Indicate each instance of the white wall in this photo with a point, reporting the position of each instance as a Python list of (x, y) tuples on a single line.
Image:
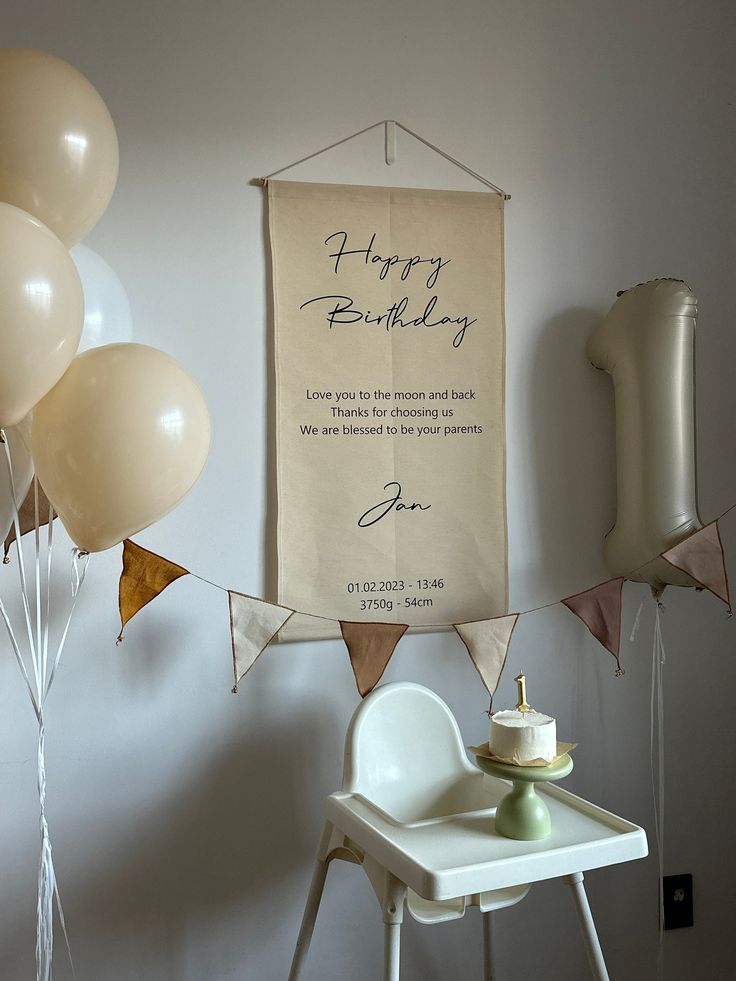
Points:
[(185, 818)]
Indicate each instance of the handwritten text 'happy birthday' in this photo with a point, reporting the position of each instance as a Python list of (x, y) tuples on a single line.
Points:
[(341, 309)]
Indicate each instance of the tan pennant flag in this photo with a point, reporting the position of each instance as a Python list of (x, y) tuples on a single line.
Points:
[(370, 646), (488, 642), (253, 625), (600, 610), (145, 575), (701, 556), (27, 516)]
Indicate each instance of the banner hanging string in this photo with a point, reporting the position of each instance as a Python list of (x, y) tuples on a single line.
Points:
[(389, 155)]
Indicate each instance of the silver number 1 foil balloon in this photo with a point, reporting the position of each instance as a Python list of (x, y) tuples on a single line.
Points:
[(647, 344)]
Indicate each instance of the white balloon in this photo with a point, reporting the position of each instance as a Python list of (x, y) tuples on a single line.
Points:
[(19, 441), (107, 316)]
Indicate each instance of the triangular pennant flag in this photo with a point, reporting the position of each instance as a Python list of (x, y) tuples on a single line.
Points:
[(488, 642), (600, 610), (701, 556), (145, 575), (27, 516), (253, 625), (370, 646)]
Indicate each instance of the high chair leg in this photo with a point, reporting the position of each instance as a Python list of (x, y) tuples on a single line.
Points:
[(488, 974), (312, 906), (392, 907), (391, 951), (587, 926)]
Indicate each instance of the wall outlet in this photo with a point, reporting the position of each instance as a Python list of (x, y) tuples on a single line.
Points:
[(678, 901)]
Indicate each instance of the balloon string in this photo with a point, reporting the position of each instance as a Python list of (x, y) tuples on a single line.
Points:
[(37, 542), (48, 889), (657, 702), (16, 647), (46, 875), (49, 543), (21, 564), (19, 658), (38, 642), (62, 921), (45, 905), (637, 622), (80, 563)]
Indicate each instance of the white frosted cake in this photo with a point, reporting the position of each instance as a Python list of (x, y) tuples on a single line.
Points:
[(522, 736)]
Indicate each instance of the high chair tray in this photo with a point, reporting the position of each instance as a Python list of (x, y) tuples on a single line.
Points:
[(444, 856)]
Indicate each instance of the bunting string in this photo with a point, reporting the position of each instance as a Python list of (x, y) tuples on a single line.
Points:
[(254, 622), (629, 576)]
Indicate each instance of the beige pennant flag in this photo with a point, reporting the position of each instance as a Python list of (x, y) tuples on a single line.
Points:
[(27, 516), (253, 625), (488, 642), (701, 556), (145, 575), (600, 610), (370, 646)]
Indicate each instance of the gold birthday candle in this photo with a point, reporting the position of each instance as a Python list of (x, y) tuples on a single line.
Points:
[(521, 705)]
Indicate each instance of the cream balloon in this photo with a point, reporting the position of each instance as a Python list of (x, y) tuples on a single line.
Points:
[(119, 441), (58, 146), (41, 312), (647, 343), (19, 442)]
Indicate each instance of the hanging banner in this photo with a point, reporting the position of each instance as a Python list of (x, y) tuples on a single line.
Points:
[(390, 443)]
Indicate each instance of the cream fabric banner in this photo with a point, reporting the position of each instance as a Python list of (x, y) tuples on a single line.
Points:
[(389, 347)]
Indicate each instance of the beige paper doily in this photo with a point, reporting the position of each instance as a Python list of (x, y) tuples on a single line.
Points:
[(485, 750)]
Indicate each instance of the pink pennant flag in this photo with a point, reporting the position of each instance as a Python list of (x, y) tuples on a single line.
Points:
[(487, 642), (600, 610), (702, 557)]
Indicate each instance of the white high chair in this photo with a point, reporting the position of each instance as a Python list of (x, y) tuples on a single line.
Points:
[(418, 816)]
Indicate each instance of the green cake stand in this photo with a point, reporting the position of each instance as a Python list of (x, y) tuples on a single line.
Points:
[(522, 814)]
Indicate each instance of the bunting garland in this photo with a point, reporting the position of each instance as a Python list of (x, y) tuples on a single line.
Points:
[(254, 623), (370, 646), (600, 610), (487, 643), (145, 576), (702, 557)]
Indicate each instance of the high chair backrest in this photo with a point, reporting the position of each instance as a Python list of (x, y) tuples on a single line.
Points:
[(403, 749)]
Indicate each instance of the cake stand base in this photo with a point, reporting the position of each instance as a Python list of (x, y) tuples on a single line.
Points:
[(522, 814)]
